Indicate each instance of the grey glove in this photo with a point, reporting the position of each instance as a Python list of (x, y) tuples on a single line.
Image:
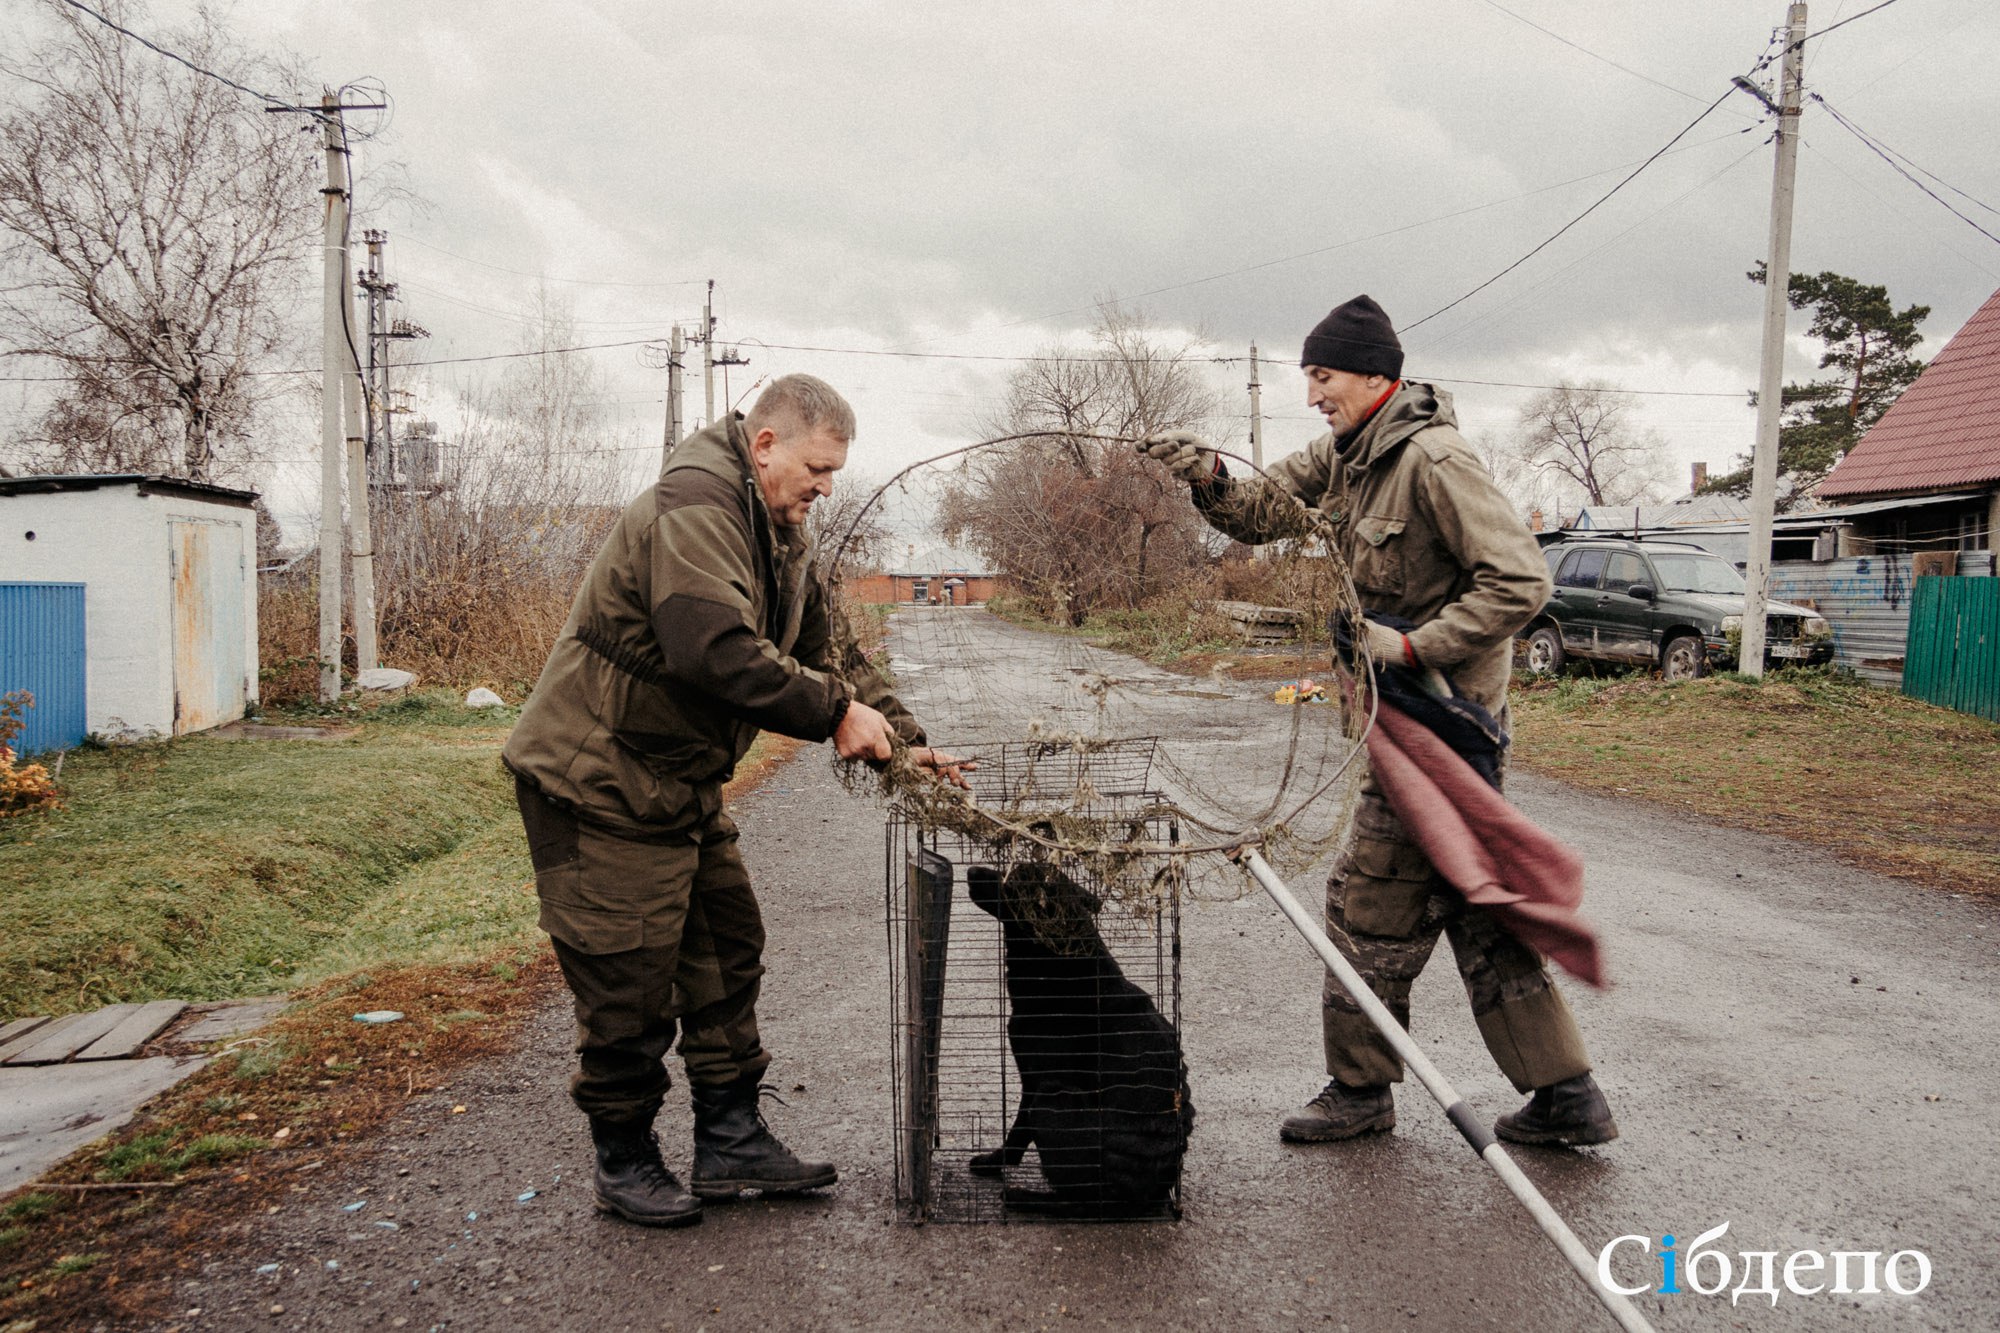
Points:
[(1184, 453)]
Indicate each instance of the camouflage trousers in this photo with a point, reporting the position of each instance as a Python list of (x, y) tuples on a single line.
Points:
[(651, 936), (1385, 908)]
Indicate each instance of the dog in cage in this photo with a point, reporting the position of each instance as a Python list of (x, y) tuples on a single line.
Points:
[(1104, 1091)]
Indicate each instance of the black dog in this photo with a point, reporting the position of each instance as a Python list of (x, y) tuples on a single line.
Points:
[(1104, 1092)]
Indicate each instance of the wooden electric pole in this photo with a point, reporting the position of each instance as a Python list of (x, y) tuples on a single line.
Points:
[(1771, 376)]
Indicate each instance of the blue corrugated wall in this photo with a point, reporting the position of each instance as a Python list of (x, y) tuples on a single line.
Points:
[(42, 652)]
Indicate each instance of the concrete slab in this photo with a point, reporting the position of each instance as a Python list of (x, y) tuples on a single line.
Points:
[(53, 1046), (50, 1029), (230, 1018), (133, 1031), (52, 1110), (20, 1027)]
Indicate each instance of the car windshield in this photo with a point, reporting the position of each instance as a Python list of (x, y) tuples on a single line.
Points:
[(1697, 573)]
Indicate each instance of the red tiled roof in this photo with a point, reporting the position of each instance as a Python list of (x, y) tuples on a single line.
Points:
[(1944, 430)]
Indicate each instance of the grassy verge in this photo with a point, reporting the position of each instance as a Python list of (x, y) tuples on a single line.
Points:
[(202, 869), (1168, 636), (1882, 781), (386, 870)]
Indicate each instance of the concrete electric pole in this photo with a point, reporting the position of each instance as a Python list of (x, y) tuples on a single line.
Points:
[(360, 527), (1256, 427), (708, 356), (674, 418), (331, 444), (1771, 376)]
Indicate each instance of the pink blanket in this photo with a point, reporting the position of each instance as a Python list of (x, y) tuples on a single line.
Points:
[(1491, 852)]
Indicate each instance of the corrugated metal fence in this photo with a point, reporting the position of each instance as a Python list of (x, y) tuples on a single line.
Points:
[(1954, 657), (42, 652), (1867, 601)]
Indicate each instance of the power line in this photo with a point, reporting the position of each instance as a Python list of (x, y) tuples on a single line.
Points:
[(1341, 245), (1879, 142), (1877, 149), (1574, 46), (1575, 220), (267, 98), (544, 277)]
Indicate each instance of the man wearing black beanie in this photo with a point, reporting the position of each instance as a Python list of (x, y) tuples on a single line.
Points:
[(1431, 542)]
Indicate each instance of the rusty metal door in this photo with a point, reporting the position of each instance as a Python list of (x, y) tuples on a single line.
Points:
[(207, 566)]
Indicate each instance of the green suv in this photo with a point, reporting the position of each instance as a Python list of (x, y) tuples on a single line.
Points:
[(1667, 604)]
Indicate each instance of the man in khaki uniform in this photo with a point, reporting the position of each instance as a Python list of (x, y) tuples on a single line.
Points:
[(702, 621), (1430, 540)]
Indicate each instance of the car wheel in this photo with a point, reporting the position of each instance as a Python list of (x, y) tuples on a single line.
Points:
[(1545, 651), (1684, 658)]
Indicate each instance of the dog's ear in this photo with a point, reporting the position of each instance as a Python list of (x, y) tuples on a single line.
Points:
[(982, 885)]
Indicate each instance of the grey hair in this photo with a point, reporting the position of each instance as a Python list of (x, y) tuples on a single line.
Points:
[(802, 404)]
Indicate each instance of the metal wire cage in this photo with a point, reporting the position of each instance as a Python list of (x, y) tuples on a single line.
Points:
[(1037, 1069)]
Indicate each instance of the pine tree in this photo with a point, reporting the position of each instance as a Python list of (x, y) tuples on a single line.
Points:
[(1868, 345)]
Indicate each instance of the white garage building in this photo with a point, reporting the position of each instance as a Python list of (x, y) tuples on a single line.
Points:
[(127, 603)]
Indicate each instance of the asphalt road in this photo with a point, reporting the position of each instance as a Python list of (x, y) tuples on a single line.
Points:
[(1792, 1047)]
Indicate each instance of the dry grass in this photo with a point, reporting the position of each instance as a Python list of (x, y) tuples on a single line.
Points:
[(245, 1132), (1882, 781)]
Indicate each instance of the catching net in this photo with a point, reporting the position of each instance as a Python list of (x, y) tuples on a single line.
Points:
[(1232, 761)]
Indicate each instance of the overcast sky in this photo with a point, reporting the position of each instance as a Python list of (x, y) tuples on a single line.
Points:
[(965, 179)]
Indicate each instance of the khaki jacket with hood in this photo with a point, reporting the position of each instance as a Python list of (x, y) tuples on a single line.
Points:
[(1426, 533), (700, 623)]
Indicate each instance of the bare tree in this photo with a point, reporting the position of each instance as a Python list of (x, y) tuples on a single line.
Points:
[(848, 526), (1076, 522), (1585, 435), (153, 227), (475, 573)]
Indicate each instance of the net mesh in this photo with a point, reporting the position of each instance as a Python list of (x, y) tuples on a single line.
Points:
[(1230, 762)]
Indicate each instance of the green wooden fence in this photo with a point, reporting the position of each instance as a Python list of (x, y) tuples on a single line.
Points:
[(1953, 659)]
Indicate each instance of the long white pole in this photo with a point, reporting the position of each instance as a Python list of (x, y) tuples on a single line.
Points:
[(1771, 373), (333, 363), (360, 528), (1461, 1116)]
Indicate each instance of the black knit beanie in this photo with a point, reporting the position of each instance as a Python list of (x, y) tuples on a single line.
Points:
[(1356, 335)]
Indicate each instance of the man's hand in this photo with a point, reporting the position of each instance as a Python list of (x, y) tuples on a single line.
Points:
[(1184, 453), (864, 734), (1387, 646), (948, 767)]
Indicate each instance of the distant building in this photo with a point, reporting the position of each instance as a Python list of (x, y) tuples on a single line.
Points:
[(940, 587), (1929, 470), (128, 604)]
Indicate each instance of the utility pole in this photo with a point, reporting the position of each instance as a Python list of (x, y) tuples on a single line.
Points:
[(708, 355), (1256, 430), (332, 361), (1771, 377), (360, 527), (674, 347)]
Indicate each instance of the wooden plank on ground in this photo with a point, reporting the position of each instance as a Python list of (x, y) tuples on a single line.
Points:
[(45, 1030), (60, 1040), (20, 1027), (135, 1030)]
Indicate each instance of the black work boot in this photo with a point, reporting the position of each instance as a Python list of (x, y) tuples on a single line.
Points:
[(735, 1150), (1340, 1112), (1572, 1112), (632, 1181)]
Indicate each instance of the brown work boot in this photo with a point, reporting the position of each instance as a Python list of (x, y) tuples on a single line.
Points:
[(1340, 1112), (632, 1181), (1571, 1113)]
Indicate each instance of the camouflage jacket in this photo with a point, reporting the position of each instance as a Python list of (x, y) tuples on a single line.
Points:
[(700, 623), (1422, 527)]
